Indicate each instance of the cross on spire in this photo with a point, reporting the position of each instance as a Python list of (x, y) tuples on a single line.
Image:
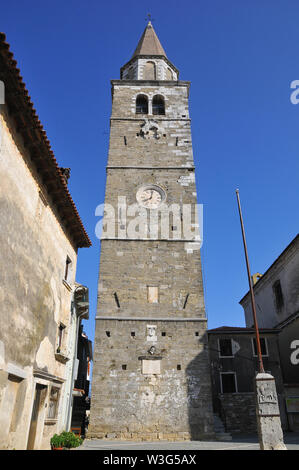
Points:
[(149, 18)]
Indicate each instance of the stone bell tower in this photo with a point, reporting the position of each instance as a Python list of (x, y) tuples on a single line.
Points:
[(151, 375)]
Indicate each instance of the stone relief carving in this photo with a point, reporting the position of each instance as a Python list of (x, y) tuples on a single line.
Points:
[(152, 350), (266, 395), (267, 400), (151, 129), (151, 333)]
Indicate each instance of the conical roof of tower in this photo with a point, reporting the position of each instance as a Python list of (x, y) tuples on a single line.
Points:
[(149, 43)]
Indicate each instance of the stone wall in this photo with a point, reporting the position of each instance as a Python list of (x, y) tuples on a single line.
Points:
[(136, 394), (34, 298), (171, 401), (129, 267), (175, 94), (238, 412)]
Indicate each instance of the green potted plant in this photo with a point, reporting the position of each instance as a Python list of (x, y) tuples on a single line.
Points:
[(65, 440), (56, 442)]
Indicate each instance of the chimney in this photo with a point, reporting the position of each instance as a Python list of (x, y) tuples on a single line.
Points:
[(66, 173)]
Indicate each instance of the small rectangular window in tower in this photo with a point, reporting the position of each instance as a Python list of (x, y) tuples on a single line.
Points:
[(278, 295), (124, 367), (179, 367), (152, 294)]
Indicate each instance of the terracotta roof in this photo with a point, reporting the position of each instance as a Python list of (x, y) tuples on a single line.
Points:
[(21, 108), (149, 43)]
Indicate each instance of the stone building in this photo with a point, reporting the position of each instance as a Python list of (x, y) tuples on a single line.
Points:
[(277, 303), (289, 359), (276, 291), (233, 350), (151, 368), (40, 234), (234, 365)]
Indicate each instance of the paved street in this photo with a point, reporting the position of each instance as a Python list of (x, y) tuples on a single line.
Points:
[(238, 443)]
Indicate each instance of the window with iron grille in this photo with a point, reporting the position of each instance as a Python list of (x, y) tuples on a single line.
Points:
[(141, 104), (158, 105)]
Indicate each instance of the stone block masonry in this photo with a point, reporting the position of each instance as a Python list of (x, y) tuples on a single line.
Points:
[(238, 412), (151, 375), (169, 402)]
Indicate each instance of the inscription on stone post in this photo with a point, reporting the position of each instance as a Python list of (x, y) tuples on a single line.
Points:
[(267, 398), (268, 414)]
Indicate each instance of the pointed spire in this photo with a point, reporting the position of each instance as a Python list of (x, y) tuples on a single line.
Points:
[(149, 43)]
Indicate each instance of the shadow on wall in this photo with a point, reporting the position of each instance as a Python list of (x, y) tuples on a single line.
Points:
[(200, 409)]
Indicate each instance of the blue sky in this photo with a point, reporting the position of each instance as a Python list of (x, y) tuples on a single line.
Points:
[(240, 58)]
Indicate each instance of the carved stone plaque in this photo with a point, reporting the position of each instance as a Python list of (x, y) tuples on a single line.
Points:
[(267, 401), (151, 366)]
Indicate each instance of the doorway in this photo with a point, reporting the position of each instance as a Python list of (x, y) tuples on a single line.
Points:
[(39, 397)]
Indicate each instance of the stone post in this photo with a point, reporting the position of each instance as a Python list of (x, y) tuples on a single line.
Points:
[(268, 415)]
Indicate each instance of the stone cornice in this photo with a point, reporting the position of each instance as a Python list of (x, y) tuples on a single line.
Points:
[(189, 168), (182, 240), (147, 116), (153, 83), (153, 319)]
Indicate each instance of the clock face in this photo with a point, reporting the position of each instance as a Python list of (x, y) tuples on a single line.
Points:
[(150, 196)]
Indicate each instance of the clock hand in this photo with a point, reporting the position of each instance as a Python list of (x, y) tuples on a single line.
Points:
[(144, 200)]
